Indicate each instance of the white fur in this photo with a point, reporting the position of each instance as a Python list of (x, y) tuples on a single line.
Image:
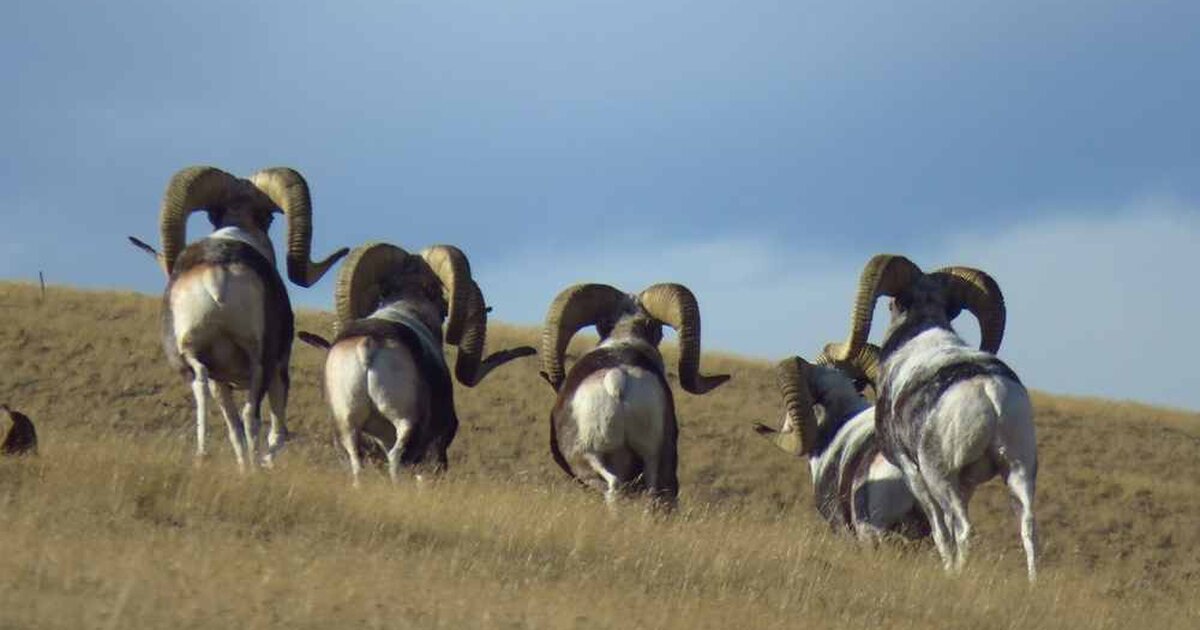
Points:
[(226, 302), (369, 386), (979, 428), (888, 500), (218, 313), (618, 408), (848, 441), (620, 414)]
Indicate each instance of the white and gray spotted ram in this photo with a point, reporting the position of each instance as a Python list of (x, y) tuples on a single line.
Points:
[(951, 417), (827, 420), (613, 425), (227, 321), (386, 377)]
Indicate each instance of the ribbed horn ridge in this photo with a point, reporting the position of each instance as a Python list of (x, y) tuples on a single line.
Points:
[(358, 289), (191, 189), (453, 270), (862, 365), (675, 306), (470, 368), (289, 192), (885, 274), (798, 436), (573, 308), (977, 292)]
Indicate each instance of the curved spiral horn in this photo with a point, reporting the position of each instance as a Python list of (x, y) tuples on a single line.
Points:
[(862, 366), (674, 305), (798, 436), (885, 274), (573, 308), (191, 189), (470, 368), (451, 267), (977, 292), (360, 280), (289, 192)]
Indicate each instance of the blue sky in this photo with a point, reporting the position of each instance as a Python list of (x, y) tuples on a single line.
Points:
[(758, 151)]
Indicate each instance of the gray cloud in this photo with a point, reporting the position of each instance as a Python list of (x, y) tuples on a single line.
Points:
[(1097, 305), (1104, 307)]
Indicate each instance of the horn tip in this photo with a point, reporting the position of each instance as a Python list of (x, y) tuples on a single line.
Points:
[(338, 255), (523, 351), (788, 442), (837, 351), (705, 384)]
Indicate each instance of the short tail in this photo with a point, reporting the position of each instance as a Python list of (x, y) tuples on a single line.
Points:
[(614, 384), (366, 351)]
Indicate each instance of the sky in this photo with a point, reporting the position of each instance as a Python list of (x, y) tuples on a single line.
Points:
[(759, 152)]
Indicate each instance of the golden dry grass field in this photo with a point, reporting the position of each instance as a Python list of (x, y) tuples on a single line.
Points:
[(114, 526)]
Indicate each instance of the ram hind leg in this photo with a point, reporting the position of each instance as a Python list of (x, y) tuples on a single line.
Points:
[(348, 420), (1021, 483), (350, 437), (350, 413), (277, 395), (933, 511), (952, 501), (200, 384), (233, 422), (397, 401), (603, 466), (662, 484), (395, 454), (252, 412)]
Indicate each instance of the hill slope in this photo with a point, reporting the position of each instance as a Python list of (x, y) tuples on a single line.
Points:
[(113, 525)]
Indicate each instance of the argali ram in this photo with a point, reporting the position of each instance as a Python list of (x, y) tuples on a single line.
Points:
[(386, 377), (21, 437), (951, 417), (827, 420), (226, 319), (613, 425)]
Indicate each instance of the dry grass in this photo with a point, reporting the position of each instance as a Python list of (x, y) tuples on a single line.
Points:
[(113, 526)]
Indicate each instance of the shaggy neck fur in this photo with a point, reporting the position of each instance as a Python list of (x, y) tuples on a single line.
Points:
[(254, 238), (637, 331), (416, 319), (641, 345), (917, 310)]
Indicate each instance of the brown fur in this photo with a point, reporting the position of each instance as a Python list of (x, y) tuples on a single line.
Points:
[(21, 438)]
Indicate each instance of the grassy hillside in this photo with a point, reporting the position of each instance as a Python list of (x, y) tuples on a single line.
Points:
[(114, 526)]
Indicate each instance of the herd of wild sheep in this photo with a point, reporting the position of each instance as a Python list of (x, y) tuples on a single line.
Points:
[(943, 417)]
